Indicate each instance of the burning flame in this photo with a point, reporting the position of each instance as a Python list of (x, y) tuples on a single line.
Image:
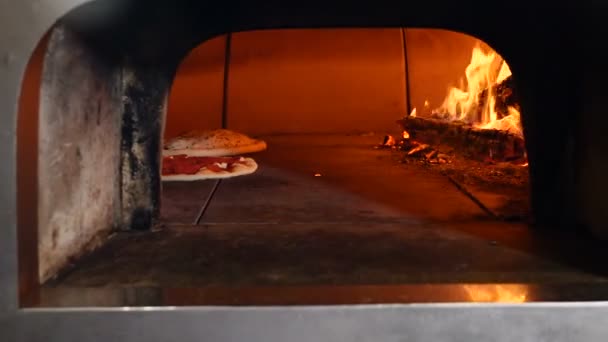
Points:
[(497, 293), (413, 113), (406, 135), (484, 72)]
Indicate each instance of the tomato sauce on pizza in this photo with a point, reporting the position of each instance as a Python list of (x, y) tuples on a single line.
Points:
[(186, 165)]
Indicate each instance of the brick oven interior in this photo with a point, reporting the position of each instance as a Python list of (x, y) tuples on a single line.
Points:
[(329, 217)]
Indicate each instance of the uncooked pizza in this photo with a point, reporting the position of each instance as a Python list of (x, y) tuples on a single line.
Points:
[(212, 143), (188, 168)]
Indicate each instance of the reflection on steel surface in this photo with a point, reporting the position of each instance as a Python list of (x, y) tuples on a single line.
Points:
[(497, 293), (319, 295)]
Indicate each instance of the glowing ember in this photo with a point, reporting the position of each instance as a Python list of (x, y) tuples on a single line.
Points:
[(389, 141), (484, 72), (317, 175), (497, 293), (406, 135)]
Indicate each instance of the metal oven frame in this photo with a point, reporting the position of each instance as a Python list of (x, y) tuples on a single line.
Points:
[(22, 23)]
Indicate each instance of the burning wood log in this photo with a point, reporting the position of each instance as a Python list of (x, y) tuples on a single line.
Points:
[(505, 96), (474, 143)]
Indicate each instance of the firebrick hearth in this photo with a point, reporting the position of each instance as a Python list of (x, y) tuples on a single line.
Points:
[(306, 225)]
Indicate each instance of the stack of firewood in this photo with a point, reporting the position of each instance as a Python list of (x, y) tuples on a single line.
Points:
[(474, 143), (420, 134)]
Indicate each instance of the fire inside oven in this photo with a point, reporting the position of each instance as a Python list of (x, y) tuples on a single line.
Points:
[(393, 157)]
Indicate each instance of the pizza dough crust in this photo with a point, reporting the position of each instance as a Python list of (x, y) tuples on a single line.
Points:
[(245, 167), (212, 143)]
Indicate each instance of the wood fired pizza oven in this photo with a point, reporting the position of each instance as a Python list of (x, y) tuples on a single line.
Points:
[(109, 65)]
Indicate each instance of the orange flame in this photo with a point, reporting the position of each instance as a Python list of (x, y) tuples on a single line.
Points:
[(406, 135), (484, 72)]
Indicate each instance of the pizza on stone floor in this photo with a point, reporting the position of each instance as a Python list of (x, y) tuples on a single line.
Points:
[(209, 154)]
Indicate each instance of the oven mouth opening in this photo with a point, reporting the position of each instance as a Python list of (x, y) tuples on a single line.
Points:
[(381, 182)]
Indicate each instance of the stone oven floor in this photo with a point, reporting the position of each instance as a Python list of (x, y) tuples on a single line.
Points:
[(366, 229)]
